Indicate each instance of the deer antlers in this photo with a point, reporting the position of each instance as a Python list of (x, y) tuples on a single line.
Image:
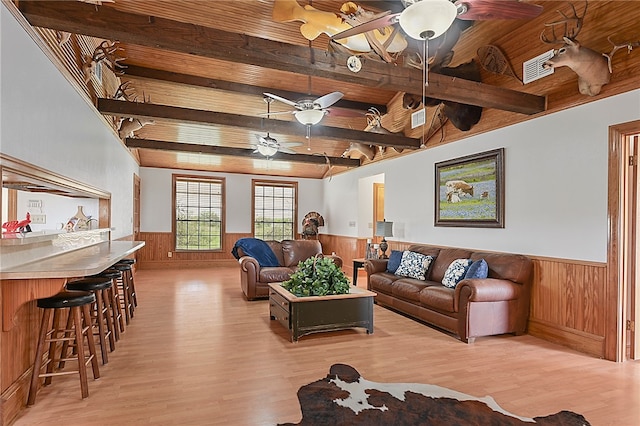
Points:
[(629, 45), (571, 26), (108, 52)]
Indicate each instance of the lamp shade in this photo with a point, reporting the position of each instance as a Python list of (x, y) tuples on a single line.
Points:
[(309, 116), (384, 229), (428, 19)]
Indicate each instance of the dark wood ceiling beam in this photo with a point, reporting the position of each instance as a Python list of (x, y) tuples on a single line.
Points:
[(108, 23), (188, 115), (230, 86), (237, 152)]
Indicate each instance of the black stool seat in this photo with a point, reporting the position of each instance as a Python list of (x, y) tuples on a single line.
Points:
[(90, 284), (66, 299), (122, 266), (127, 261), (108, 273)]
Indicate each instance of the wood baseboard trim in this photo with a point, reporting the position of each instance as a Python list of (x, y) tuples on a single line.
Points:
[(14, 398), (173, 264), (580, 341)]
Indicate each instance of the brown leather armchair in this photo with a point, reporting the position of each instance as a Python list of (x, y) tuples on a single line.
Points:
[(255, 279)]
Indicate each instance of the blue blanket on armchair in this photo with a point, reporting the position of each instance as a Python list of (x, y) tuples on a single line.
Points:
[(258, 249)]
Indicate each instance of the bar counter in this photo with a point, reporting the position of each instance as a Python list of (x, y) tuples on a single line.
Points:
[(35, 266), (77, 263)]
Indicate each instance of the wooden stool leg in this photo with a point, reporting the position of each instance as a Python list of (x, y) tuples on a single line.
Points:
[(133, 290), (79, 332), (37, 365), (118, 324), (67, 332), (86, 315), (100, 326), (106, 300), (125, 299)]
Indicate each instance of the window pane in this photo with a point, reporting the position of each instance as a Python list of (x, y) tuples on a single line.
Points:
[(274, 210), (198, 213)]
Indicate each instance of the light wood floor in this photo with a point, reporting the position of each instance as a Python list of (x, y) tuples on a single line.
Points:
[(197, 353)]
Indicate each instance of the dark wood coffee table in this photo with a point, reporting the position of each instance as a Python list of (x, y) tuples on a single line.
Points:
[(305, 315)]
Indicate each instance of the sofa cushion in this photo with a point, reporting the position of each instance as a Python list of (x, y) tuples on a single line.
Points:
[(408, 289), (414, 265), (382, 282), (275, 274), (295, 251), (456, 272), (438, 297), (276, 246), (478, 269), (444, 259), (394, 261)]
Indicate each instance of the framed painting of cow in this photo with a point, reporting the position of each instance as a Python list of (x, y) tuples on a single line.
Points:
[(470, 191)]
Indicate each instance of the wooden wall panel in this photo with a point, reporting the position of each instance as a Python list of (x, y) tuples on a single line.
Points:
[(155, 253)]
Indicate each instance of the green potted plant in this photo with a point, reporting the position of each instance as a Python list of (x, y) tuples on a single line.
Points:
[(317, 276)]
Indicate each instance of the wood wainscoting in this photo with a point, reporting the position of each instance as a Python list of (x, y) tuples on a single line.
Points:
[(568, 297), (158, 245)]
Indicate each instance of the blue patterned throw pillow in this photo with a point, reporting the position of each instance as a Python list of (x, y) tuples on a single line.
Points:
[(456, 272), (394, 261), (478, 269), (414, 265)]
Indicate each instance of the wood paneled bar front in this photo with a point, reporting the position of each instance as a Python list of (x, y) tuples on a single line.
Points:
[(39, 265)]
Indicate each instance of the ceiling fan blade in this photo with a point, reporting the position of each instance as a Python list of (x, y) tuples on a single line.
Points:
[(286, 150), (281, 99), (290, 144), (328, 99), (264, 114), (374, 24), (502, 9)]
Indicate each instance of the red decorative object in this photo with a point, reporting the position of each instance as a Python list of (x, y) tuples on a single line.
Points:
[(14, 226)]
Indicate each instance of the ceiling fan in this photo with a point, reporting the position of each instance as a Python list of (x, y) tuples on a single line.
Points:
[(269, 146), (428, 19), (309, 111)]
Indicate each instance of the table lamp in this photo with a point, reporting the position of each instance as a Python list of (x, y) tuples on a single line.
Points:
[(384, 229)]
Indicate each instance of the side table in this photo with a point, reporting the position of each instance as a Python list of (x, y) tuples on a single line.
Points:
[(357, 264)]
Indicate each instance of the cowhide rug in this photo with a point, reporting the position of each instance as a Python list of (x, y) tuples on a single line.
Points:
[(346, 398)]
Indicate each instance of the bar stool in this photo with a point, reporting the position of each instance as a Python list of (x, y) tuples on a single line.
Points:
[(124, 285), (77, 304), (102, 317), (114, 295), (132, 284)]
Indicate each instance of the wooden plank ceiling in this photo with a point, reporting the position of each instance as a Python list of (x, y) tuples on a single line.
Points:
[(201, 68)]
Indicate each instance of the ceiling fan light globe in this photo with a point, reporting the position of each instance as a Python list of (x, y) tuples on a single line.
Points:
[(428, 19), (309, 116), (266, 150)]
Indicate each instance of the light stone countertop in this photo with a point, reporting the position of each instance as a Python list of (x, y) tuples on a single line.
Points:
[(77, 263)]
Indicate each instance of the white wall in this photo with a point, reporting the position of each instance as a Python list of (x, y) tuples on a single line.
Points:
[(156, 190), (56, 209), (555, 186), (46, 122)]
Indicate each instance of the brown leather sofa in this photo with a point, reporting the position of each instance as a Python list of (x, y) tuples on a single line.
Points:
[(255, 279), (475, 307)]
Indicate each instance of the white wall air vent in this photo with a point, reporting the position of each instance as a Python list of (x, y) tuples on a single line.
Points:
[(418, 118), (532, 69)]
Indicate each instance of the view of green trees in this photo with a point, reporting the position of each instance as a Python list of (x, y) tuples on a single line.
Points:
[(198, 231)]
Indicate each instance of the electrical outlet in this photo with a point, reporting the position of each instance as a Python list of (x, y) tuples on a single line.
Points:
[(170, 254), (38, 219)]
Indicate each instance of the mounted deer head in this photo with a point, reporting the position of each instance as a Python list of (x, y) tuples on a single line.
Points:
[(593, 69), (107, 52), (590, 66)]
